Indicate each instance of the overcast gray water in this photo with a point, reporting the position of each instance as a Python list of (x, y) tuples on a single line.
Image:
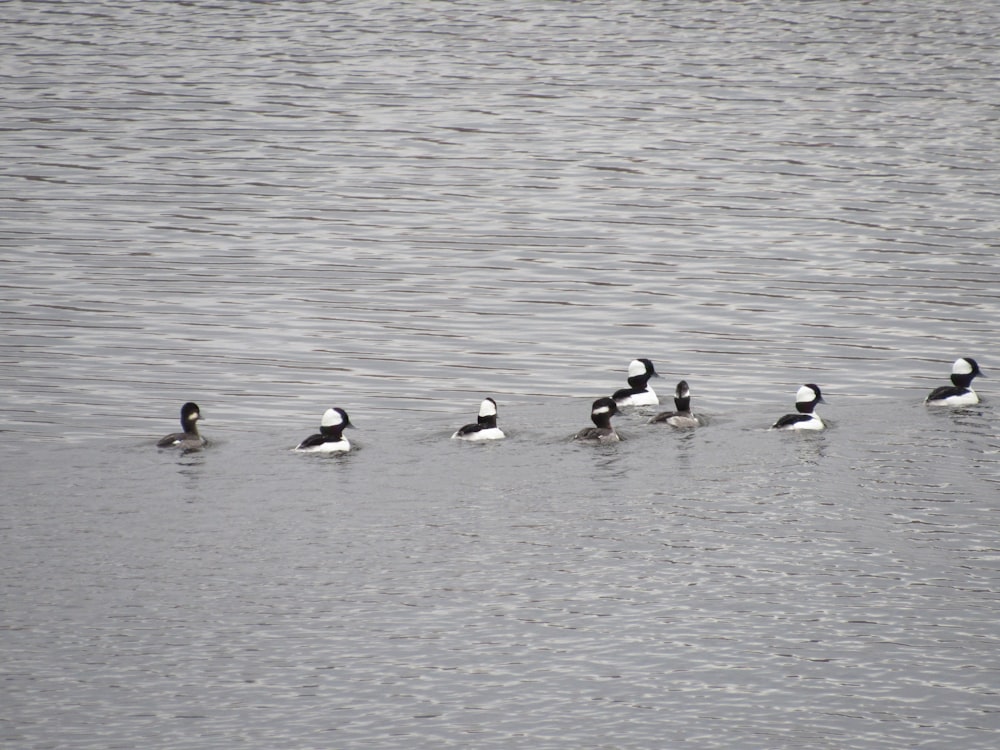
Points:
[(400, 208)]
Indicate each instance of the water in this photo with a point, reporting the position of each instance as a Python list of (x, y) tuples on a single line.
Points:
[(399, 209)]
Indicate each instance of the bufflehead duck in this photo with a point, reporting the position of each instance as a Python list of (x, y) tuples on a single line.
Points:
[(189, 439), (682, 402), (601, 412), (805, 401), (485, 428), (329, 439), (960, 392), (638, 393)]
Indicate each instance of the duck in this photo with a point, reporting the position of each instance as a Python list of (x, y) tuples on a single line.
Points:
[(682, 403), (960, 392), (806, 399), (638, 392), (601, 412), (485, 427), (329, 439), (188, 439)]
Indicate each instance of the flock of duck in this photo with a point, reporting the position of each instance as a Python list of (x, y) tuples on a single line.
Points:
[(330, 438)]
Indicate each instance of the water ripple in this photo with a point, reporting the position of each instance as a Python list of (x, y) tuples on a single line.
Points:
[(401, 207)]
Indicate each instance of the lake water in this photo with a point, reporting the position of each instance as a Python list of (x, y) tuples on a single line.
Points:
[(400, 208)]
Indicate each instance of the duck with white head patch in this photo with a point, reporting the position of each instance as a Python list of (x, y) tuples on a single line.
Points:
[(330, 438), (189, 439), (601, 412), (960, 392), (682, 403), (638, 392), (485, 427), (805, 419)]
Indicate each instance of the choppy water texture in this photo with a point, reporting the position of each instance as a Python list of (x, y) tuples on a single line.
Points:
[(398, 208)]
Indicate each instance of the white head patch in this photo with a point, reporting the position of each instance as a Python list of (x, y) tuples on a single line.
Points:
[(961, 367), (487, 408), (601, 410), (635, 367), (804, 395), (683, 392), (331, 418)]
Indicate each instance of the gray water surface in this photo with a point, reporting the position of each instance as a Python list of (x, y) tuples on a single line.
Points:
[(273, 208)]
